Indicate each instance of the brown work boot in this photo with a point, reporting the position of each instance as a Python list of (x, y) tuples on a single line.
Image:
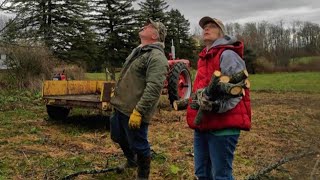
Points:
[(143, 167), (127, 164)]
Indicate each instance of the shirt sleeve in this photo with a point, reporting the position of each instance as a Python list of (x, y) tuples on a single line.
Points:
[(230, 63)]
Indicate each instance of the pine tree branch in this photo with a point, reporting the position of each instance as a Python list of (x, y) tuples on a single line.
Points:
[(3, 3), (9, 24)]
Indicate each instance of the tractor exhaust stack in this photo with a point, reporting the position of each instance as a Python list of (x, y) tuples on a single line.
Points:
[(173, 51)]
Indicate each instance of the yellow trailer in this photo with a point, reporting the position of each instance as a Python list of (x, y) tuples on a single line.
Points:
[(61, 96)]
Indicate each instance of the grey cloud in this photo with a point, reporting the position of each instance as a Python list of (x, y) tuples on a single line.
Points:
[(249, 10)]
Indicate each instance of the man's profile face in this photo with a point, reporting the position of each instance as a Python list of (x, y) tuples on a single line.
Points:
[(148, 32)]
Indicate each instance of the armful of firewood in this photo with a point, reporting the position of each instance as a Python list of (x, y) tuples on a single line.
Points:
[(220, 87)]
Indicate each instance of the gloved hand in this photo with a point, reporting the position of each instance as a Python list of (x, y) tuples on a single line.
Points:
[(205, 103), (135, 120), (194, 101), (203, 100)]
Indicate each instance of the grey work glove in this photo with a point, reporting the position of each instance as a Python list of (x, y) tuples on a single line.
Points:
[(204, 102), (194, 101)]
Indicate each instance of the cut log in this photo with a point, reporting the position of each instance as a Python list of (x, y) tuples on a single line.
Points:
[(213, 85), (236, 90), (225, 79), (239, 76), (228, 88), (247, 83), (180, 104), (217, 73)]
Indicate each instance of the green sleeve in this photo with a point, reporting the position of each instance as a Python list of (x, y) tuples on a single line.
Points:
[(155, 75)]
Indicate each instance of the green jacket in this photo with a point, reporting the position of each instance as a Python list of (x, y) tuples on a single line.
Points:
[(141, 81)]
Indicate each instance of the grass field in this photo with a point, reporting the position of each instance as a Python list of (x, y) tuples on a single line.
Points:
[(286, 121), (95, 76), (98, 76), (302, 81)]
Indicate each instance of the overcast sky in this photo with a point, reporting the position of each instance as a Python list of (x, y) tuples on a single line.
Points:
[(243, 11)]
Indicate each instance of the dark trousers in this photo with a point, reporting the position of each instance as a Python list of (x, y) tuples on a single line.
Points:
[(132, 142)]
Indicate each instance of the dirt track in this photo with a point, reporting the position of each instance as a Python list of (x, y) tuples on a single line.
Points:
[(283, 124)]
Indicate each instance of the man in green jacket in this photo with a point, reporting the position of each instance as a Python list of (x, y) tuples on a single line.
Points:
[(136, 96)]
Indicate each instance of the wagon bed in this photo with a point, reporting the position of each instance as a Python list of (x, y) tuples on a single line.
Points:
[(61, 96)]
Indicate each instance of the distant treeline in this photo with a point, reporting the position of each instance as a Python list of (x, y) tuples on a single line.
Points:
[(279, 42), (98, 34)]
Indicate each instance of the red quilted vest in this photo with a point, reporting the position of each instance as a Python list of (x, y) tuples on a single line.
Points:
[(240, 116)]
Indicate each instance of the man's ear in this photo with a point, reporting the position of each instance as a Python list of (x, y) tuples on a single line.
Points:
[(155, 36)]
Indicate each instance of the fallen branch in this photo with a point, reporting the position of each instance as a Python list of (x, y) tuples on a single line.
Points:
[(93, 171), (155, 155), (271, 167), (314, 170)]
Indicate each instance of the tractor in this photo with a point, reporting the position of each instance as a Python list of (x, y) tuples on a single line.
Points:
[(178, 83)]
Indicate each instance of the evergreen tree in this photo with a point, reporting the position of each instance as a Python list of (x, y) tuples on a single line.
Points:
[(117, 30), (178, 31), (68, 27), (8, 33), (59, 24), (177, 26), (153, 9), (85, 48), (28, 18)]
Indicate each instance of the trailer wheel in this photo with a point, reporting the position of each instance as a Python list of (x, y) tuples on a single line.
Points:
[(57, 112), (179, 83)]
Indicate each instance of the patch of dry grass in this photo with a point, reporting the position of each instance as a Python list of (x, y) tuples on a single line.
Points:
[(33, 148)]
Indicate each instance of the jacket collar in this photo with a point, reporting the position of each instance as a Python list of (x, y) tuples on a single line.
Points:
[(237, 47), (156, 45)]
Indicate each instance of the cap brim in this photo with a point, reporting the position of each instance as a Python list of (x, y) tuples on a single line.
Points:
[(151, 22), (203, 21)]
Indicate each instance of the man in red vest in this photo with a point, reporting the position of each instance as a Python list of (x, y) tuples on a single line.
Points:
[(216, 137)]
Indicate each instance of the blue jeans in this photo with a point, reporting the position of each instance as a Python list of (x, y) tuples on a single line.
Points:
[(132, 142), (213, 155)]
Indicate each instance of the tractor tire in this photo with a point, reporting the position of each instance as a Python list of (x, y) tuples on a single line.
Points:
[(179, 82), (57, 112)]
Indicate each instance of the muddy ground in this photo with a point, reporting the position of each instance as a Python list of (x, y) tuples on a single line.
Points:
[(34, 147)]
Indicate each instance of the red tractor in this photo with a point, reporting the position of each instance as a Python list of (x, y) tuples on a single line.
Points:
[(178, 84)]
